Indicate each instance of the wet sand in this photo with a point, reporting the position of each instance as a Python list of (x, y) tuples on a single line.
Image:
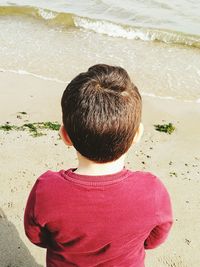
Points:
[(174, 158)]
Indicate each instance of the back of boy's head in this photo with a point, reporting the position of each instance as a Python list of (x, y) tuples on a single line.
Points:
[(101, 112)]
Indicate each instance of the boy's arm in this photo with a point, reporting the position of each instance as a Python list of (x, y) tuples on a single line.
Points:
[(164, 218), (34, 231)]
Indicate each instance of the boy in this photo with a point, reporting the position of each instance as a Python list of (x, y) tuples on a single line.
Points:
[(99, 214)]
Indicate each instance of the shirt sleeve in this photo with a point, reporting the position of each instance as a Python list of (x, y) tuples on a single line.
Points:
[(34, 231), (164, 218)]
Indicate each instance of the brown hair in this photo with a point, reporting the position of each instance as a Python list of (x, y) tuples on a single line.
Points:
[(101, 112)]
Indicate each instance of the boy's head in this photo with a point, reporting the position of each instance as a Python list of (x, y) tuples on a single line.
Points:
[(101, 112)]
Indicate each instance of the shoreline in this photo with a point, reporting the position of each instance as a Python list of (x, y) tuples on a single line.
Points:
[(143, 94), (174, 158)]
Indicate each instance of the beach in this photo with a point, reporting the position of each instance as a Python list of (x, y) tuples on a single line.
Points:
[(173, 157), (43, 45)]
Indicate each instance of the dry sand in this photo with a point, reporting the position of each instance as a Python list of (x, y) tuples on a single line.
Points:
[(174, 158)]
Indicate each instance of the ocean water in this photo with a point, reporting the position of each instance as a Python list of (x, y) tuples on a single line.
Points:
[(157, 41)]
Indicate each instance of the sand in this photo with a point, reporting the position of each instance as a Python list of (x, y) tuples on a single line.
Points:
[(174, 158)]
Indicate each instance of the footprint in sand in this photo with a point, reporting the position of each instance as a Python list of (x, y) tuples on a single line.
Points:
[(176, 261)]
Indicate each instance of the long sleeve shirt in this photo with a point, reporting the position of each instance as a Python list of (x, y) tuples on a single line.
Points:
[(104, 221)]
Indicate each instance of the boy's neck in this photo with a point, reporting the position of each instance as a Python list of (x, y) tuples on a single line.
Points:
[(88, 167)]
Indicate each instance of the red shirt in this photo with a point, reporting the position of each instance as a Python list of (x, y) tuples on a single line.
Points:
[(104, 221)]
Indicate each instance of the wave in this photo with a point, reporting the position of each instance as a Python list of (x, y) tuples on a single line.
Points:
[(24, 72), (169, 98), (103, 26), (138, 33), (47, 15)]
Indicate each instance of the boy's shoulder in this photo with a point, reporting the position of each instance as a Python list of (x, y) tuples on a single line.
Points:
[(146, 179), (54, 186), (140, 178), (50, 176)]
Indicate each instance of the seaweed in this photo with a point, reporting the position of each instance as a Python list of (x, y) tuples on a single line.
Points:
[(166, 128), (7, 127), (32, 129), (35, 129), (54, 126)]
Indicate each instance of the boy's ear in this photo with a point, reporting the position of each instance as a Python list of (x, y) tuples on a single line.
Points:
[(64, 136), (138, 134)]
